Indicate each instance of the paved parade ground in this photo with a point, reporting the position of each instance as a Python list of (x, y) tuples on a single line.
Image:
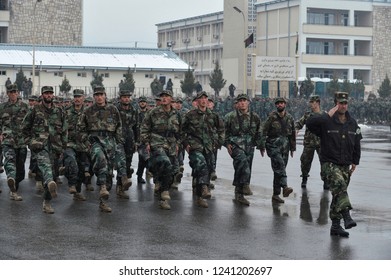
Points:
[(137, 229)]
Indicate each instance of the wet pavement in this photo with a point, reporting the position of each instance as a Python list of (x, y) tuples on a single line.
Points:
[(138, 229)]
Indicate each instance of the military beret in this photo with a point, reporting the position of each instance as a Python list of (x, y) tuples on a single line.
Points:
[(47, 89), (279, 99), (242, 96), (12, 87), (314, 98), (99, 89), (341, 96), (78, 92), (166, 92)]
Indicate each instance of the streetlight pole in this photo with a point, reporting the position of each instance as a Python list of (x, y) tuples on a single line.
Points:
[(34, 39), (244, 51)]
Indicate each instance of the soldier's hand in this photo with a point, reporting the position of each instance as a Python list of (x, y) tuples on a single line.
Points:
[(229, 149), (332, 111), (352, 168)]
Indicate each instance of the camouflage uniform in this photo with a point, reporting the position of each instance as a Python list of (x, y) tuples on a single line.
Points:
[(203, 133), (280, 136), (45, 131), (101, 128), (75, 155), (340, 148), (243, 133), (160, 130), (143, 156), (13, 147)]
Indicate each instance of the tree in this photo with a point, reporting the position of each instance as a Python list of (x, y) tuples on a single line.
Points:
[(156, 87), (188, 84), (333, 87), (384, 90), (97, 79), (128, 83), (65, 87), (359, 88), (20, 78), (216, 80), (306, 88), (346, 86)]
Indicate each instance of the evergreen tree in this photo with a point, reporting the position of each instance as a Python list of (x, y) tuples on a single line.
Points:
[(306, 88), (65, 87), (216, 80), (384, 90), (333, 87), (97, 80), (128, 83), (20, 78), (188, 84), (156, 87), (359, 88), (346, 86)]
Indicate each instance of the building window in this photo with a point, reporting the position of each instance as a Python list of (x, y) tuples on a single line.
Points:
[(345, 48), (3, 73), (58, 74), (149, 76), (82, 74), (105, 75)]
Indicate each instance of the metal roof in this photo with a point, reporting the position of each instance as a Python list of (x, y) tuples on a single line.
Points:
[(77, 57)]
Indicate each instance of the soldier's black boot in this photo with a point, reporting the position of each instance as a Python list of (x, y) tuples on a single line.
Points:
[(337, 230), (304, 182), (348, 221)]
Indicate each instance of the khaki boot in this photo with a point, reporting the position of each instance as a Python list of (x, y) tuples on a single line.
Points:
[(202, 202), (126, 183), (103, 193), (72, 190), (287, 191), (247, 190), (79, 197), (163, 204), (276, 198), (39, 186), (156, 188), (104, 207), (89, 188), (47, 208), (52, 186), (15, 196), (240, 199), (31, 174), (121, 193), (205, 193), (11, 184), (165, 195)]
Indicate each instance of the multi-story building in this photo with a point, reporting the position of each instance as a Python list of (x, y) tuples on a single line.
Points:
[(41, 22)]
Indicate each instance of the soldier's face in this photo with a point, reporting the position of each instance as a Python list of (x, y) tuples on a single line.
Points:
[(342, 107), (125, 100), (203, 101), (242, 104), (100, 99), (47, 97), (211, 105), (13, 96), (78, 100), (142, 104), (165, 99), (280, 106)]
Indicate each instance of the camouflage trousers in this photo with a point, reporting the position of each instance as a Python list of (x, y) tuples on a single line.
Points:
[(242, 162), (123, 161), (337, 178), (278, 151), (202, 165), (162, 166), (102, 159), (45, 162), (143, 158), (306, 159), (14, 160), (76, 163)]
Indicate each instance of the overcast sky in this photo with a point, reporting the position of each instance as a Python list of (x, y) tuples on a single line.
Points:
[(121, 23)]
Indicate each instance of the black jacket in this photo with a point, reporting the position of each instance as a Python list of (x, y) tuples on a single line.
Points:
[(339, 142)]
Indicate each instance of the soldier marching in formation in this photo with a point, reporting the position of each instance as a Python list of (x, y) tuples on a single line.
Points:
[(91, 137)]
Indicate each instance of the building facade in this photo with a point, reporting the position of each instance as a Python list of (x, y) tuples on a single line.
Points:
[(41, 22)]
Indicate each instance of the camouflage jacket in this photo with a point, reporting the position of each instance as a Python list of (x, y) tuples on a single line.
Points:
[(129, 118), (11, 118), (243, 130), (45, 127), (203, 130), (101, 122), (310, 139), (275, 127), (161, 129), (72, 117)]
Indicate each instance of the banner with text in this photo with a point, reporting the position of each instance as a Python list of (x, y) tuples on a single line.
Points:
[(275, 68)]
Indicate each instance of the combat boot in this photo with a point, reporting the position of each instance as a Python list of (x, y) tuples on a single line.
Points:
[(202, 202), (89, 187), (126, 183), (15, 196), (103, 193), (178, 177), (72, 190), (121, 193), (130, 172), (39, 186), (213, 176), (148, 175), (246, 190), (47, 208), (11, 184), (31, 174), (337, 230), (287, 191), (174, 186), (205, 193), (181, 168), (156, 188), (163, 204), (79, 197), (276, 198), (52, 186), (1, 169), (211, 186), (140, 180), (348, 221), (240, 199), (104, 207), (304, 182), (165, 195), (325, 186)]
